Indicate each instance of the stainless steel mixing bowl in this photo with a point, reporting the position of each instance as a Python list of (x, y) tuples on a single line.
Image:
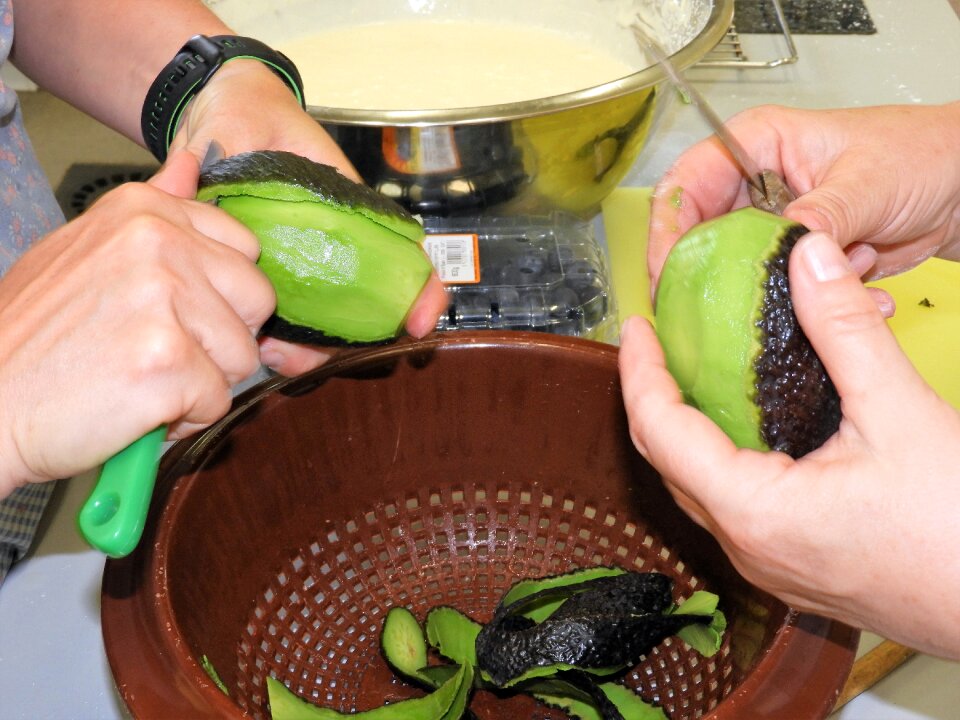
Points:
[(561, 153)]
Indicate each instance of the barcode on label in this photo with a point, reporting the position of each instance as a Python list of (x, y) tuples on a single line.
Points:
[(438, 150), (455, 256)]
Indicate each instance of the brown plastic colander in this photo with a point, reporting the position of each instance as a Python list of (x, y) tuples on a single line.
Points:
[(423, 474)]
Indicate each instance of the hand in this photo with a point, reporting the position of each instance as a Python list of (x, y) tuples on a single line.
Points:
[(143, 311), (247, 107), (863, 529), (883, 182)]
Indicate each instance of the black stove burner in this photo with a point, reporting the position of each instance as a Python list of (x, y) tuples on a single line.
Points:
[(83, 183), (804, 17)]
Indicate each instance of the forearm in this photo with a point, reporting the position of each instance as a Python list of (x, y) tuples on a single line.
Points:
[(102, 55)]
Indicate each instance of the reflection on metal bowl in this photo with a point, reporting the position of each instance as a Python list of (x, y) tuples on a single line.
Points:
[(564, 152), (567, 160)]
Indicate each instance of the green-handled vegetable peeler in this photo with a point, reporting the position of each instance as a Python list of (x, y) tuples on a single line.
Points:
[(113, 517)]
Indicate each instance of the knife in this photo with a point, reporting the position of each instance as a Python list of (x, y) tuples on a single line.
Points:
[(768, 191)]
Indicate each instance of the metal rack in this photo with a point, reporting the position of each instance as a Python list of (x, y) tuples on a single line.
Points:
[(730, 52)]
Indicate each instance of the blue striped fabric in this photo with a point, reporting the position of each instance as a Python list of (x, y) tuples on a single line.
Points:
[(28, 210)]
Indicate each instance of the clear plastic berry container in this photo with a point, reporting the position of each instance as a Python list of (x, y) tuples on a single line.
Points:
[(545, 274)]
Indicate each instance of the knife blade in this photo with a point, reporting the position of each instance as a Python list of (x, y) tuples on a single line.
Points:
[(768, 191)]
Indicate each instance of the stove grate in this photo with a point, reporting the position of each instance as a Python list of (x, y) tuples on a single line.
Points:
[(730, 51), (84, 183)]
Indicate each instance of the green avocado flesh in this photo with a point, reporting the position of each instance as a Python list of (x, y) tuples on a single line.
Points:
[(445, 703), (732, 341), (346, 263), (402, 642)]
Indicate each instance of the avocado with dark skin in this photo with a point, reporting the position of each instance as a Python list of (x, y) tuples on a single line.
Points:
[(732, 341), (346, 262)]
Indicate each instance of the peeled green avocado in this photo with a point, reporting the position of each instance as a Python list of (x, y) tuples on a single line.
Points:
[(346, 262), (732, 341)]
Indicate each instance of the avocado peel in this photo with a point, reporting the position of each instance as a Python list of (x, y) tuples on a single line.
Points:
[(603, 625), (614, 606)]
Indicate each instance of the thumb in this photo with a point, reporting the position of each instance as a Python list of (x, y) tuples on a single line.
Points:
[(827, 207), (179, 175), (848, 332)]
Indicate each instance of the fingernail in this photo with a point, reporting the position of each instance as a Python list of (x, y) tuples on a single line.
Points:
[(271, 358), (862, 257), (624, 329), (418, 326), (884, 302), (887, 307), (823, 258)]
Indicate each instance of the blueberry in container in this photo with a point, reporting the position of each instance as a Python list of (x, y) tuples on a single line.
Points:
[(542, 273)]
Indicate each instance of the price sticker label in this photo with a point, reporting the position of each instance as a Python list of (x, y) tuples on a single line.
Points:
[(456, 257)]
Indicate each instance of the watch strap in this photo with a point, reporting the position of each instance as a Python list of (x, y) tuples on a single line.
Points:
[(188, 73)]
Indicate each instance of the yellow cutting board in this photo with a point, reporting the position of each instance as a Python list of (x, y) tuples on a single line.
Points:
[(926, 324)]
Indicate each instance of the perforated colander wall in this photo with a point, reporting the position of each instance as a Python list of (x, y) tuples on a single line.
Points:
[(435, 472), (317, 625)]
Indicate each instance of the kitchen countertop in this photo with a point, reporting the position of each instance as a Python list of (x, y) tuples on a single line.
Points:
[(52, 663)]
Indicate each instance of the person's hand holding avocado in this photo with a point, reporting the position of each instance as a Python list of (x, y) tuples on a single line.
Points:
[(244, 105), (143, 310), (221, 114), (146, 309), (864, 528)]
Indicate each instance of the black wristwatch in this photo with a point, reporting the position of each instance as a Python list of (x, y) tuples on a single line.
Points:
[(189, 72)]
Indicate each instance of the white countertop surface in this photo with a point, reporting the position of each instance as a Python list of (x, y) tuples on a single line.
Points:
[(52, 663)]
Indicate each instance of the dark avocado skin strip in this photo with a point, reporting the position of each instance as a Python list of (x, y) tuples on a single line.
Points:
[(324, 182), (799, 405), (589, 641), (607, 622), (584, 683), (277, 327), (628, 594), (525, 588)]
